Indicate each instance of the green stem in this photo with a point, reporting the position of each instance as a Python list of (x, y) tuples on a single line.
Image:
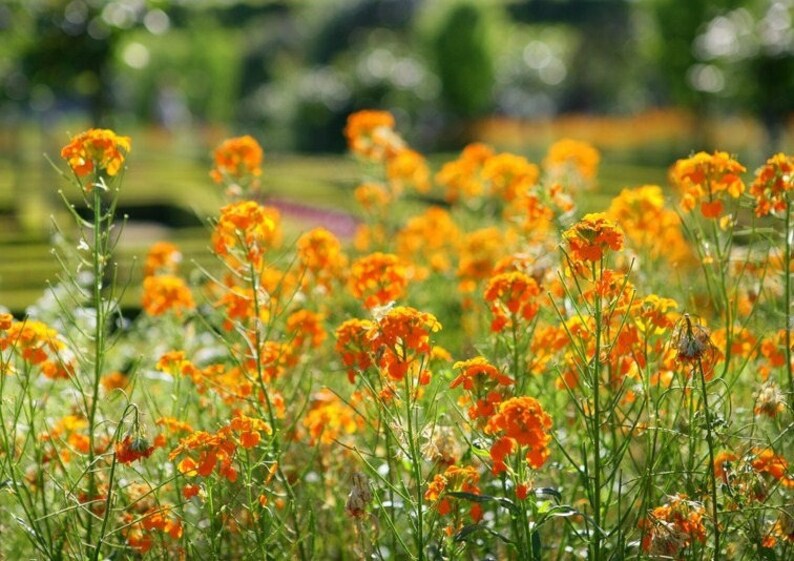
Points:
[(787, 310), (595, 425), (417, 468), (712, 477), (98, 257)]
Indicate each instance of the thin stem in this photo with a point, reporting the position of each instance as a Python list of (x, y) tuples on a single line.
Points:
[(787, 310), (712, 476), (98, 258), (595, 428), (417, 468)]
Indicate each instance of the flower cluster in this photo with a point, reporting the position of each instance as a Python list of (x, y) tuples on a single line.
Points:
[(592, 236), (96, 151), (705, 179), (519, 423)]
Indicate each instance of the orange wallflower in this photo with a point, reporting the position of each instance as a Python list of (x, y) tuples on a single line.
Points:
[(352, 344), (428, 241), (589, 238), (522, 422), (377, 279), (511, 297), (484, 382), (509, 176), (772, 184), (305, 326), (96, 151), (374, 198), (236, 159), (723, 465), (566, 157), (648, 225), (39, 345), (766, 461), (458, 479), (671, 528), (204, 451), (407, 169), (704, 178), (114, 380), (329, 418), (245, 231), (480, 250), (370, 134), (163, 257), (401, 341), (463, 178), (321, 257), (166, 293), (133, 448)]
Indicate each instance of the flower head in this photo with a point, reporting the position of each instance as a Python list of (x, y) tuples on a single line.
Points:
[(671, 528), (704, 178), (594, 234), (245, 232), (166, 293), (521, 421), (377, 279), (96, 151), (772, 184), (236, 159)]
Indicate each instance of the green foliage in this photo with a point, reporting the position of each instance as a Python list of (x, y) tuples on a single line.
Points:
[(464, 60)]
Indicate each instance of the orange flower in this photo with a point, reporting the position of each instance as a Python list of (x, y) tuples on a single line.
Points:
[(482, 380), (479, 253), (166, 293), (352, 344), (723, 465), (303, 326), (96, 151), (766, 461), (512, 296), (374, 198), (370, 134), (648, 225), (458, 479), (245, 232), (329, 418), (522, 421), (114, 380), (704, 177), (671, 528), (567, 156), (39, 345), (407, 169), (463, 178), (509, 176), (133, 448), (320, 255), (377, 279), (401, 340), (428, 241), (772, 185), (236, 159), (163, 257), (589, 238)]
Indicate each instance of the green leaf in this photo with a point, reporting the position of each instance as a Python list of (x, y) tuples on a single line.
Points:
[(501, 501), (470, 529)]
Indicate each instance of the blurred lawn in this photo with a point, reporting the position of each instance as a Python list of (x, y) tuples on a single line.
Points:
[(167, 194)]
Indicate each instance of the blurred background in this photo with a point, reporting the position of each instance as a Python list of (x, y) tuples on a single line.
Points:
[(645, 81)]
